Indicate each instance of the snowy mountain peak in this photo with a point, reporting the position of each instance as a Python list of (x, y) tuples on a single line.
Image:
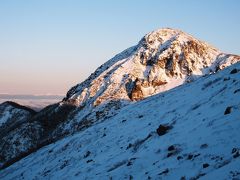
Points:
[(163, 59)]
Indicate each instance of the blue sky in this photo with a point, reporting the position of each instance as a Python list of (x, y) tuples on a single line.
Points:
[(48, 46)]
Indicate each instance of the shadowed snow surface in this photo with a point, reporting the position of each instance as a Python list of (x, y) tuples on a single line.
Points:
[(203, 139)]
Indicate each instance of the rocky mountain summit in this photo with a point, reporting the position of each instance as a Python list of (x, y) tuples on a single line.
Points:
[(163, 62), (163, 59)]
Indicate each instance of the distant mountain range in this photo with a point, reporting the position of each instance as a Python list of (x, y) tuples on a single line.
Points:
[(166, 108), (37, 102)]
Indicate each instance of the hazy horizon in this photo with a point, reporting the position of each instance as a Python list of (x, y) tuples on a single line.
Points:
[(7, 95), (36, 102), (49, 46)]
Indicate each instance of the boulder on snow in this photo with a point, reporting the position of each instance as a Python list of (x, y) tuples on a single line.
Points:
[(163, 129), (228, 110)]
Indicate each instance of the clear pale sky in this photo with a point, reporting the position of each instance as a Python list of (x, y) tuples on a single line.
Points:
[(47, 46)]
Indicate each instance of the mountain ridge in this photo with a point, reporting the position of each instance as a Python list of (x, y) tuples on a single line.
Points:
[(156, 52), (162, 60), (201, 133)]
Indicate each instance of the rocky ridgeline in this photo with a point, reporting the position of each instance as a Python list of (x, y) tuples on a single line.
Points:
[(162, 60)]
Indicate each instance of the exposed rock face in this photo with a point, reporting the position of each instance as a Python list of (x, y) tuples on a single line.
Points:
[(163, 59)]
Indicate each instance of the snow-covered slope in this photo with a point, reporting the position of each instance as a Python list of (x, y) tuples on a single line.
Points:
[(11, 112), (162, 60), (191, 131), (16, 133)]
